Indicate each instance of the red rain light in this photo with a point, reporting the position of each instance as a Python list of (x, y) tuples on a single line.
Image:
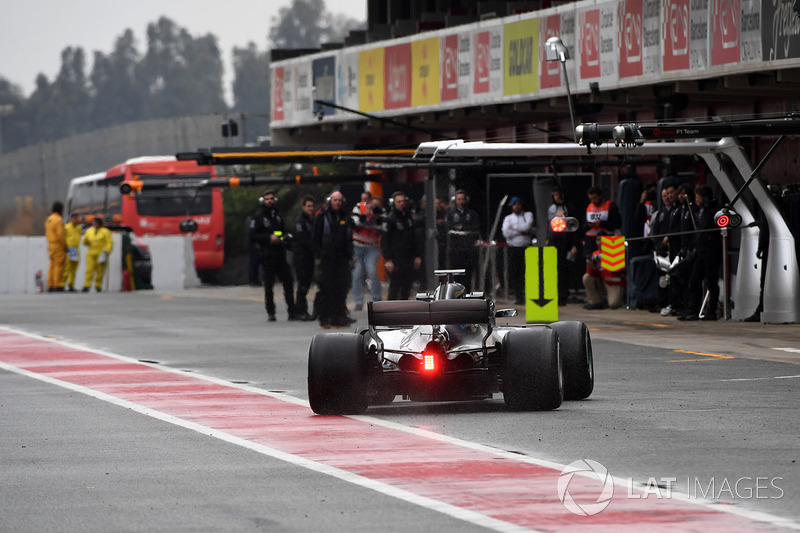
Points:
[(723, 221), (428, 362), (558, 224)]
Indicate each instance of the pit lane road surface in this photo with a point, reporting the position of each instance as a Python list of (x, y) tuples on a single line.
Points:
[(153, 411)]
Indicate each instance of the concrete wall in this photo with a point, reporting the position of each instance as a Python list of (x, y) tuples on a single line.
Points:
[(43, 171), (22, 257)]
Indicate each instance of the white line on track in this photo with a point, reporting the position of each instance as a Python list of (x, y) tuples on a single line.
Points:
[(383, 488), (793, 350), (763, 379)]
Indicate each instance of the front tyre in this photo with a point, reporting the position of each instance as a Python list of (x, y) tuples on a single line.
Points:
[(337, 383), (532, 378), (576, 354)]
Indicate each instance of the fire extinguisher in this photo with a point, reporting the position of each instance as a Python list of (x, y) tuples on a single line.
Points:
[(39, 282)]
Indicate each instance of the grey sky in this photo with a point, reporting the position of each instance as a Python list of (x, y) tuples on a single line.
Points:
[(34, 32)]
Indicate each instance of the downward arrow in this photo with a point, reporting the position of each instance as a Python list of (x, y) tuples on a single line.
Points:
[(541, 301)]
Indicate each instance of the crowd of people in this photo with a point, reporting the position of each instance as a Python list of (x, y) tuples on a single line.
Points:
[(63, 248), (338, 250)]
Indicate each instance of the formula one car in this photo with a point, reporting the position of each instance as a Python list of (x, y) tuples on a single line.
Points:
[(446, 346)]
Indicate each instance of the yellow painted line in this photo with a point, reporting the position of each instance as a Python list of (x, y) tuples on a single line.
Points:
[(166, 297), (709, 357), (651, 324), (628, 330)]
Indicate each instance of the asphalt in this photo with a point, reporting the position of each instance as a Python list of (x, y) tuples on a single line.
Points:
[(752, 340)]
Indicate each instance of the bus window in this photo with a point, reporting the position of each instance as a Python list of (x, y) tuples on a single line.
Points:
[(173, 202), (111, 197), (91, 195)]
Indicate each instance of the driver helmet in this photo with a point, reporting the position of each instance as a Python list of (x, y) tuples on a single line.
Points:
[(449, 291)]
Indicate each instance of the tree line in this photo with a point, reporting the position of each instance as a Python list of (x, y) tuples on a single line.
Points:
[(178, 74)]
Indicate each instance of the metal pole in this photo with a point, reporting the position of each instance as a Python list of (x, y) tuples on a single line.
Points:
[(493, 251), (569, 101), (629, 277), (724, 274), (505, 272)]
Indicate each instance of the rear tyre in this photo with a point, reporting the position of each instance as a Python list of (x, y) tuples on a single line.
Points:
[(532, 376), (576, 355), (383, 396), (337, 382)]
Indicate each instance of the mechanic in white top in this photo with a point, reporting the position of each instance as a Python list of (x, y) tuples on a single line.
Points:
[(518, 227)]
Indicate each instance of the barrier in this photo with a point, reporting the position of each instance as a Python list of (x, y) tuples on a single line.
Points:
[(21, 257)]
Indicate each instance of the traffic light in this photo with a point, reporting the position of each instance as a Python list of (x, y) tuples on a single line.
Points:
[(230, 128), (727, 218), (564, 224)]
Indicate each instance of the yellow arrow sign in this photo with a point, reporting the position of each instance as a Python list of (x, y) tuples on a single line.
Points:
[(541, 284)]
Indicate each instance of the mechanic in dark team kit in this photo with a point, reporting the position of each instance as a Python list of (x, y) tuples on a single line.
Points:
[(402, 247), (303, 254), (463, 227), (269, 235), (333, 245)]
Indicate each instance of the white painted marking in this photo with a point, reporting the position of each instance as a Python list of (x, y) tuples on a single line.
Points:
[(794, 350), (763, 379), (389, 490)]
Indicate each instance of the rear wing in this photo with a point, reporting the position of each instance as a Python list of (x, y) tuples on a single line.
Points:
[(415, 313)]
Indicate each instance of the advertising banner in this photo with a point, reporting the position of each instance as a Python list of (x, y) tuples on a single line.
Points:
[(487, 63), (609, 41), (550, 70), (323, 70), (347, 79), (751, 31), (780, 30), (425, 73), (630, 38), (397, 76), (675, 29), (277, 94), (449, 67), (370, 80), (725, 27), (651, 27), (598, 57), (521, 73), (301, 79), (589, 38)]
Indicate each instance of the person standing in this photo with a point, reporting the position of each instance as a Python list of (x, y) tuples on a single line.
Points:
[(686, 225), (565, 242), (665, 221), (463, 226), (333, 245), (303, 255), (74, 232), (55, 233), (707, 263), (601, 216), (402, 248), (98, 239), (517, 230), (366, 218), (268, 233)]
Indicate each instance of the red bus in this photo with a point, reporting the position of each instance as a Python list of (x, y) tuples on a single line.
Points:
[(159, 211)]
